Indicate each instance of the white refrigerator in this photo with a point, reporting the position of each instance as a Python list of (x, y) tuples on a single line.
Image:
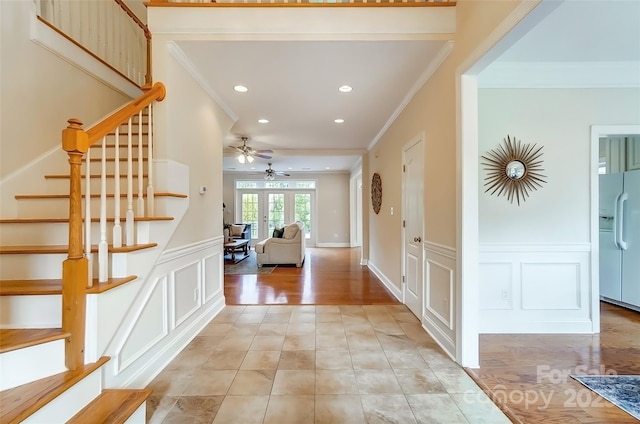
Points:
[(620, 237)]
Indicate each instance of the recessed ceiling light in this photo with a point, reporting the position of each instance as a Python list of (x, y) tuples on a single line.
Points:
[(338, 121), (290, 168), (327, 167), (253, 167), (263, 121), (241, 88), (345, 88), (306, 169)]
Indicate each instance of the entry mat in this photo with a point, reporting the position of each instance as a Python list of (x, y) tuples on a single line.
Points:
[(621, 390)]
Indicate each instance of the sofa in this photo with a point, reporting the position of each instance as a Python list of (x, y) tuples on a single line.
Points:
[(288, 249)]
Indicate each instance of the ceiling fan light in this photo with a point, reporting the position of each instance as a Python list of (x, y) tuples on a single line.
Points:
[(250, 159), (241, 158)]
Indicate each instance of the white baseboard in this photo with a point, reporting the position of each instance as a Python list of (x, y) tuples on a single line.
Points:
[(397, 293), (333, 245)]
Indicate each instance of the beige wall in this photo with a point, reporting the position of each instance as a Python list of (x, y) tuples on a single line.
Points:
[(560, 120), (39, 92), (432, 112), (332, 203)]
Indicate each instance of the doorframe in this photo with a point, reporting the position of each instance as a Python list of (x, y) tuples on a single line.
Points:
[(598, 131), (403, 230)]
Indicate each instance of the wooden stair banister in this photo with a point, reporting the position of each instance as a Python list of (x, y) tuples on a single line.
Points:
[(75, 270)]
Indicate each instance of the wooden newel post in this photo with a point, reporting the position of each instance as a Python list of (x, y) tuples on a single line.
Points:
[(74, 269)]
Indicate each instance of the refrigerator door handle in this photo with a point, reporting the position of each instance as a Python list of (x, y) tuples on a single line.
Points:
[(619, 221)]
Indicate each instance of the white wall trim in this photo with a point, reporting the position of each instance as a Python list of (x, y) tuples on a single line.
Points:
[(523, 248), (189, 249), (46, 37), (175, 320), (561, 75), (333, 245), (424, 77), (364, 262), (188, 66), (385, 280), (440, 249)]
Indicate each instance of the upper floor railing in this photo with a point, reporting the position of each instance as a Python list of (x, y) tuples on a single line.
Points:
[(106, 29)]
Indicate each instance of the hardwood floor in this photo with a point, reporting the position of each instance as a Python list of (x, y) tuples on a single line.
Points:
[(528, 375), (329, 276)]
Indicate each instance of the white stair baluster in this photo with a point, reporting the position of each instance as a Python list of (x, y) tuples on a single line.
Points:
[(103, 247), (130, 239), (117, 228), (140, 168), (150, 192), (87, 219)]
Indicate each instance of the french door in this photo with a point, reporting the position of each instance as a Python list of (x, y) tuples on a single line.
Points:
[(269, 209)]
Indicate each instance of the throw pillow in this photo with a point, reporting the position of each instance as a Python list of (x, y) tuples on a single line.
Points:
[(278, 232), (290, 231), (236, 230)]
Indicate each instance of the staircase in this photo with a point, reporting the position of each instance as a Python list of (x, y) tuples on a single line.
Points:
[(49, 371)]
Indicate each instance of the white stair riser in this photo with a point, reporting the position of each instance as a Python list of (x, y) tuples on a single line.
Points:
[(111, 166), (33, 363), (138, 417), (96, 152), (49, 233), (38, 311), (59, 208), (60, 185), (69, 403)]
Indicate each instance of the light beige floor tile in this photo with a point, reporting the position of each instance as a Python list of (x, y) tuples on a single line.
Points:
[(383, 409), (237, 309), (479, 409), (252, 382), (189, 360), (363, 343), (280, 309), (456, 380), (343, 409), (405, 317), (334, 382), (435, 408), (297, 360), (395, 342), (333, 359), (226, 318), (292, 342), (302, 317), (294, 382), (369, 359), (267, 343), (376, 309), (213, 329), (277, 318), (352, 310), (388, 328), (363, 328), (290, 409), (335, 342), (304, 308), (372, 382), (231, 342), (250, 318), (328, 317), (170, 383), (272, 329), (209, 383), (204, 343), (242, 409), (158, 407), (409, 358), (419, 381), (327, 309), (380, 318), (260, 360), (196, 409), (437, 359), (329, 328), (224, 360), (242, 329), (301, 328)]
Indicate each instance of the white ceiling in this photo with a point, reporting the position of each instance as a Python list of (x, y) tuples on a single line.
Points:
[(295, 84)]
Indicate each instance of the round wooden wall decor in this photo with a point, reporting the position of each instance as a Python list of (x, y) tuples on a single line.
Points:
[(376, 192)]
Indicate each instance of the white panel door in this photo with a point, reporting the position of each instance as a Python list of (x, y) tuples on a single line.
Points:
[(413, 288), (630, 240)]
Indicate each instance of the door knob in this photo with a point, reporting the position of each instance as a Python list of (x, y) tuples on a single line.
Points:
[(417, 239)]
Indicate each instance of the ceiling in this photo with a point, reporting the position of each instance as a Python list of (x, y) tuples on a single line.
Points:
[(294, 84)]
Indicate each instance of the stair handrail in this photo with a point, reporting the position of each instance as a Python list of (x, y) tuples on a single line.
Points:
[(75, 269)]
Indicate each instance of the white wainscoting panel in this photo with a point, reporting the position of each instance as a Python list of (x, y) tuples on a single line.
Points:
[(535, 289), (213, 277), (440, 295), (185, 290)]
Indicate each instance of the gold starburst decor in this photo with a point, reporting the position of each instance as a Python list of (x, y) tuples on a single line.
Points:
[(513, 170)]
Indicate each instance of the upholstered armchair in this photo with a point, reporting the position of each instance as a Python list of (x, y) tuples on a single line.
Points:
[(240, 231), (286, 250)]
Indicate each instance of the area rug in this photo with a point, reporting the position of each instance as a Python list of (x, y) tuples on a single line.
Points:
[(621, 390), (246, 266)]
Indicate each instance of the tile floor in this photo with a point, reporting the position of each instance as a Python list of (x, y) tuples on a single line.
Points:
[(316, 364)]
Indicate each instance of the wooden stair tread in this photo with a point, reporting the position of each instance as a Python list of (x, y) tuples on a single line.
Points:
[(58, 220), (22, 401), (19, 338), (54, 249), (66, 196), (66, 177), (54, 286), (112, 406)]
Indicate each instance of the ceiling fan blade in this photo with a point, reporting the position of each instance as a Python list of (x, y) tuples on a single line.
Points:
[(263, 151), (258, 155), (282, 174)]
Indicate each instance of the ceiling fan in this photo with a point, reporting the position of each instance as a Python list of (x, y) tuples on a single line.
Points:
[(271, 173), (247, 153)]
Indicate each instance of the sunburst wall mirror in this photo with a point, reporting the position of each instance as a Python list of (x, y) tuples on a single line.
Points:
[(513, 170)]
